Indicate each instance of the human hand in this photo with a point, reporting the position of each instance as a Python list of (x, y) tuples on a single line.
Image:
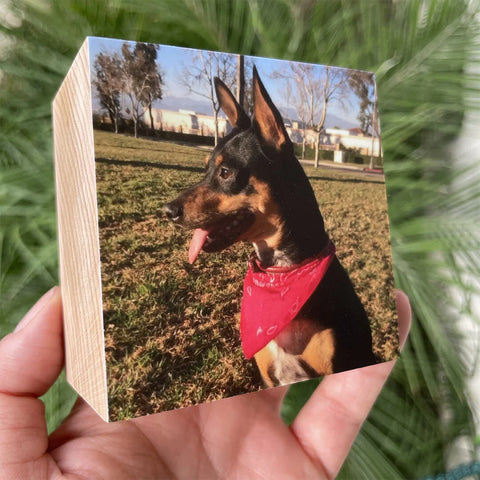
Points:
[(242, 437)]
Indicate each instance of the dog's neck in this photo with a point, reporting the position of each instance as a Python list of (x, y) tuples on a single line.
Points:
[(271, 257), (298, 228), (292, 249)]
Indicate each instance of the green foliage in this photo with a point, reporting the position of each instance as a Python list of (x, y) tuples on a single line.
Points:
[(296, 399), (419, 51)]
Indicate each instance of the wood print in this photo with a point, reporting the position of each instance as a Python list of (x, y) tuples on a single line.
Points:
[(211, 165)]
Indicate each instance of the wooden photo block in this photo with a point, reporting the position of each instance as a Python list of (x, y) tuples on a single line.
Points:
[(222, 225)]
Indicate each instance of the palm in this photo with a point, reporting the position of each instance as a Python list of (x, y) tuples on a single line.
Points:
[(242, 437), (208, 441)]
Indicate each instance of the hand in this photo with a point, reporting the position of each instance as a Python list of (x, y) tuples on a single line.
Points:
[(242, 437)]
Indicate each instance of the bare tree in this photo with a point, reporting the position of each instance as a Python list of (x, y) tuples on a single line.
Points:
[(315, 88), (297, 103), (109, 85), (198, 77), (304, 105)]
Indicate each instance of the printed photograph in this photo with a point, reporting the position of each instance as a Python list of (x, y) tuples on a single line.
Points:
[(244, 234)]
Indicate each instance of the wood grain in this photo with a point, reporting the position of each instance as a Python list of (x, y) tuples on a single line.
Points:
[(78, 235)]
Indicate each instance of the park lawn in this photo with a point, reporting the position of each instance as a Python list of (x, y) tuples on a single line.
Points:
[(171, 328)]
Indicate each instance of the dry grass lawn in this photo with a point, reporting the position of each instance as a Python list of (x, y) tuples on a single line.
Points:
[(171, 328)]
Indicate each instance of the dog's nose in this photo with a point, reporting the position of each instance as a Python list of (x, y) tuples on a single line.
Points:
[(174, 211)]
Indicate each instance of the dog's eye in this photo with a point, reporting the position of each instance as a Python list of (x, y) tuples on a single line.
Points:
[(225, 173)]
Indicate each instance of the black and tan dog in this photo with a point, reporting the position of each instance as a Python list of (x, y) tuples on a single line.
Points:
[(256, 190)]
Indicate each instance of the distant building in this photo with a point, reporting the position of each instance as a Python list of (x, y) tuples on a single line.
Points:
[(337, 139), (190, 122), (345, 139), (356, 131), (187, 121)]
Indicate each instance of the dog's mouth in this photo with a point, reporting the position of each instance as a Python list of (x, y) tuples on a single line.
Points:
[(220, 234)]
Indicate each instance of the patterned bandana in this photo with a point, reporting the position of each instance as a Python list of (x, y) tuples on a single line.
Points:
[(272, 297)]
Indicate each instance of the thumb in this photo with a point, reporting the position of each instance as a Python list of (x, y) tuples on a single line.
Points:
[(31, 359)]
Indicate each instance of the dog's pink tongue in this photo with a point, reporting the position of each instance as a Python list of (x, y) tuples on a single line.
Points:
[(196, 243)]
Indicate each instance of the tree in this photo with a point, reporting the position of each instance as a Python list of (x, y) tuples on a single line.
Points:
[(141, 80), (198, 77), (314, 89), (147, 53), (363, 85), (240, 92), (248, 87), (109, 85)]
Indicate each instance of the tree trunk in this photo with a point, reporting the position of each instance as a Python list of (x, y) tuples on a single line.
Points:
[(152, 126), (215, 120), (379, 144), (317, 142), (374, 121), (240, 80)]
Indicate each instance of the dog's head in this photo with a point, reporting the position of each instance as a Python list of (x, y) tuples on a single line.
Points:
[(248, 175)]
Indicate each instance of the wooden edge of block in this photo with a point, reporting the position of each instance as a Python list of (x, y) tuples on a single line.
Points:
[(78, 235)]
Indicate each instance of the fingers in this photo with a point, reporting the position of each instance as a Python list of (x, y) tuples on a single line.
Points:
[(404, 313), (329, 422), (31, 358)]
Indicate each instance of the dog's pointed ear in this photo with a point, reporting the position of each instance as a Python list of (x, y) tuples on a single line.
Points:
[(267, 120), (234, 112)]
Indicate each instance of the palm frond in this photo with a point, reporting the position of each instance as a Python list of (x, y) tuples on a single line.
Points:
[(424, 54)]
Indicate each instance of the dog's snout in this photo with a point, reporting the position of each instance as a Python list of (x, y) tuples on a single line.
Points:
[(174, 211)]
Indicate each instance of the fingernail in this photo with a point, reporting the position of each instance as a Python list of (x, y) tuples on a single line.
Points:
[(36, 309)]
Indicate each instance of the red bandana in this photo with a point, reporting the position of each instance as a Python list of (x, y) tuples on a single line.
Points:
[(272, 297)]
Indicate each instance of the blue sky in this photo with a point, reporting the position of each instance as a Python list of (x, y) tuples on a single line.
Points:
[(173, 60)]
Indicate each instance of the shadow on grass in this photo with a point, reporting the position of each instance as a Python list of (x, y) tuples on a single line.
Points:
[(187, 168), (345, 180), (185, 367), (152, 149), (137, 163)]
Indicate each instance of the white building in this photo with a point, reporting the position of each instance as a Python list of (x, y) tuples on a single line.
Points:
[(187, 121), (337, 139), (190, 122)]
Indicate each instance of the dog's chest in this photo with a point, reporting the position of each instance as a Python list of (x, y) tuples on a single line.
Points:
[(285, 368), (300, 352)]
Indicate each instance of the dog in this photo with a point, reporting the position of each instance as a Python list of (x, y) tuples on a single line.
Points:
[(301, 317)]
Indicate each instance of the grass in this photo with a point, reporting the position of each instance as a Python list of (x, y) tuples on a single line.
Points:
[(353, 158), (171, 328)]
